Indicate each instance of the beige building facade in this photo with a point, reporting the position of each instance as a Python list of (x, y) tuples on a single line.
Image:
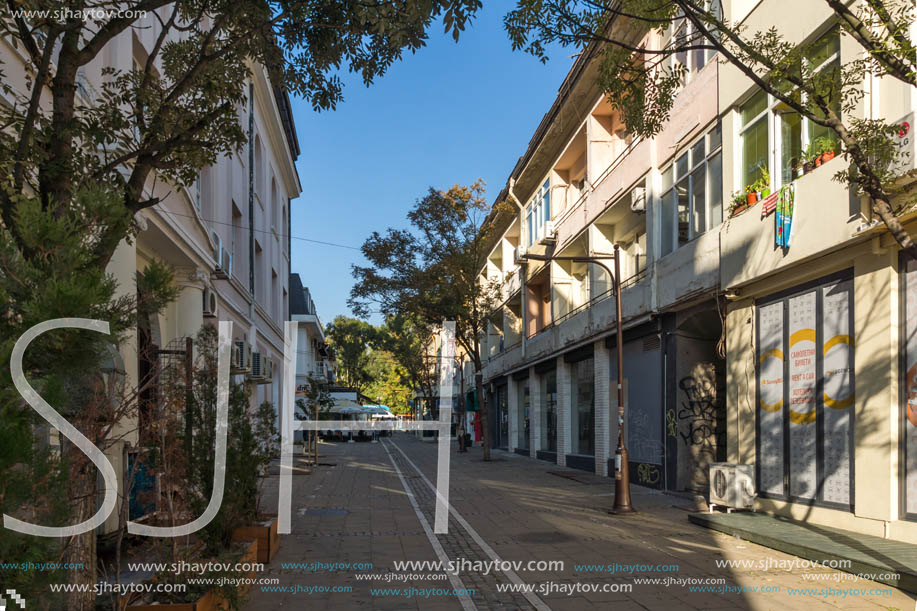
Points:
[(226, 237), (792, 358)]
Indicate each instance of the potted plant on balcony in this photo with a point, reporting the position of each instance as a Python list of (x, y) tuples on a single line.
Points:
[(764, 183), (738, 204), (825, 147), (809, 157), (751, 194)]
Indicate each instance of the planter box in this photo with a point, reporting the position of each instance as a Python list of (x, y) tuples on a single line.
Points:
[(212, 600), (266, 535)]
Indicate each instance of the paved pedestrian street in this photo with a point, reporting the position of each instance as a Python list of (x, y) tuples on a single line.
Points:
[(368, 506)]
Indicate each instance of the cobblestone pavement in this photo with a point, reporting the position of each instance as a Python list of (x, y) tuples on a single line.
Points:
[(373, 505)]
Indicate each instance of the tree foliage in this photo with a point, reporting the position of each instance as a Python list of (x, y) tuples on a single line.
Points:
[(351, 339), (431, 271), (404, 337), (178, 110), (642, 84)]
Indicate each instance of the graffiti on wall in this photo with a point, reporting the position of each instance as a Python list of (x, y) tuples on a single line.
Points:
[(647, 474), (697, 414), (643, 442)]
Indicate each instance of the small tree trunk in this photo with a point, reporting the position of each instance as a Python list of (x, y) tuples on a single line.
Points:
[(485, 411), (81, 550)]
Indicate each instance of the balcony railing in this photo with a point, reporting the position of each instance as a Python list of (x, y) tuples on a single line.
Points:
[(625, 284)]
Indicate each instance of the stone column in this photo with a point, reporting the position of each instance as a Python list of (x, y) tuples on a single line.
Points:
[(564, 402), (512, 412), (536, 406), (602, 370), (189, 307)]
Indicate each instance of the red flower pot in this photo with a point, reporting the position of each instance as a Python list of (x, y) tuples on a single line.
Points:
[(751, 198)]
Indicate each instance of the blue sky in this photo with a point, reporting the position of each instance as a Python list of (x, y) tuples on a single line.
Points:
[(451, 113)]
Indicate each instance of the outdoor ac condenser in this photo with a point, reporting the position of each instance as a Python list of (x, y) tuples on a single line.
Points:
[(732, 486)]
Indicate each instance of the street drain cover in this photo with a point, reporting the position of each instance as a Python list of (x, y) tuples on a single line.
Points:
[(324, 511)]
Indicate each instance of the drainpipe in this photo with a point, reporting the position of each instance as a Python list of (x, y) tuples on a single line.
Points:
[(523, 266), (251, 200)]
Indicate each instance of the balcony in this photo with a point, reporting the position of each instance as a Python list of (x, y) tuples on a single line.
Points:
[(823, 219), (590, 319), (689, 270), (310, 320), (512, 284)]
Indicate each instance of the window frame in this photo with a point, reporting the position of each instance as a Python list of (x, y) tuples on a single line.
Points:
[(775, 144), (681, 24), (687, 152), (538, 212)]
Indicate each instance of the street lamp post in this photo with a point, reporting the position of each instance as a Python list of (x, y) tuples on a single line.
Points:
[(622, 503)]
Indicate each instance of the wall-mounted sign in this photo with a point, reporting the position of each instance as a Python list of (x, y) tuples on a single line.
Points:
[(806, 398)]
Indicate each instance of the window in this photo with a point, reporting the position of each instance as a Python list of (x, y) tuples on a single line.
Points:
[(909, 387), (275, 206), (681, 33), (692, 192), (260, 284), (197, 191), (538, 212), (238, 237), (259, 170), (763, 118), (275, 297)]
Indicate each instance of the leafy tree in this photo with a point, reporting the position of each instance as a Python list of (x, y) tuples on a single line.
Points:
[(404, 337), (643, 86), (43, 482), (389, 384), (250, 442), (315, 405), (179, 109), (431, 272), (78, 162), (351, 339)]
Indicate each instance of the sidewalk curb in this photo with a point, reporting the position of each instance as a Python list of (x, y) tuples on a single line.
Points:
[(812, 542)]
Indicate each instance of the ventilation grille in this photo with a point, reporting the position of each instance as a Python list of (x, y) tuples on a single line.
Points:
[(651, 343)]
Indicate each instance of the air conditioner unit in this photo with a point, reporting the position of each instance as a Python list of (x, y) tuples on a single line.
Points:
[(732, 486), (235, 363), (550, 232), (210, 303), (518, 255), (257, 372), (638, 199), (219, 271), (262, 369), (226, 263), (245, 356)]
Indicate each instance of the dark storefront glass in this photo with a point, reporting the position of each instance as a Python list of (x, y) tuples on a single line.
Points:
[(549, 413), (522, 416), (502, 417), (583, 412)]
